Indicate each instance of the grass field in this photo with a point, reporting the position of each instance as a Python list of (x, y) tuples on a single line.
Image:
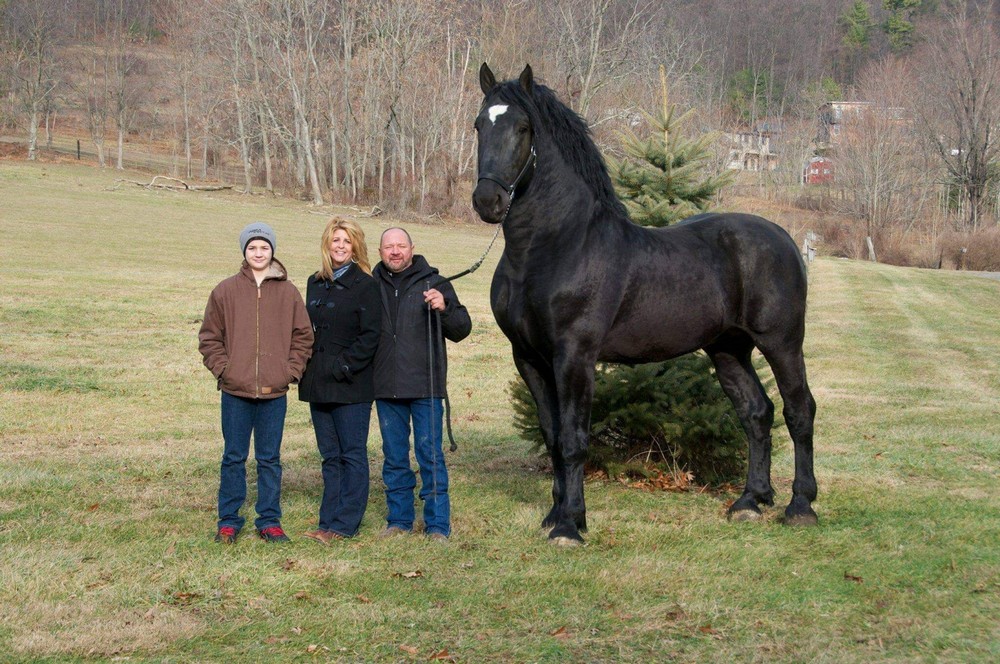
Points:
[(110, 445)]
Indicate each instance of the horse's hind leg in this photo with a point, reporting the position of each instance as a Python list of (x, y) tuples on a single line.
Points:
[(734, 369), (800, 411)]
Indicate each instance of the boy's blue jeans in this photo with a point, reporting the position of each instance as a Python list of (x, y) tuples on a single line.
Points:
[(394, 418), (265, 419)]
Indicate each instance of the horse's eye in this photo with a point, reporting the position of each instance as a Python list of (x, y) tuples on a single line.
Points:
[(523, 129)]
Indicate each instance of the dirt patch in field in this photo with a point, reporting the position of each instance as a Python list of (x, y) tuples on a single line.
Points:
[(75, 628)]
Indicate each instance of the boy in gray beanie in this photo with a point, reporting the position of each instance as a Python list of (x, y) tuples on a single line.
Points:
[(255, 339)]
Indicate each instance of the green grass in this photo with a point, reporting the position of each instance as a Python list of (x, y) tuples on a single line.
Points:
[(110, 443)]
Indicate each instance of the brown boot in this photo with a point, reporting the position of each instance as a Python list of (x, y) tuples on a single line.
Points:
[(324, 537)]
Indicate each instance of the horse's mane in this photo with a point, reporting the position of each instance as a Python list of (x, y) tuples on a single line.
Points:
[(569, 133)]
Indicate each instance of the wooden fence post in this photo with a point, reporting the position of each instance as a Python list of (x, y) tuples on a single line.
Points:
[(809, 247)]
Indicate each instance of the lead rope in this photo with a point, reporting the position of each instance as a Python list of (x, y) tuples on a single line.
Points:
[(431, 401), (531, 161), (430, 334)]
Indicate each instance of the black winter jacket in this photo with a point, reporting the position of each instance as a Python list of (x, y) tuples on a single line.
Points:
[(346, 317), (401, 362)]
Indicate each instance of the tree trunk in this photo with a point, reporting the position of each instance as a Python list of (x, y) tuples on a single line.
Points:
[(244, 145), (300, 153), (120, 163), (266, 147), (381, 166), (50, 126), (317, 192), (334, 176), (187, 130), (99, 148), (33, 134), (204, 152)]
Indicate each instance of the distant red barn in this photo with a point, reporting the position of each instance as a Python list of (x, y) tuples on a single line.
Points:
[(819, 170)]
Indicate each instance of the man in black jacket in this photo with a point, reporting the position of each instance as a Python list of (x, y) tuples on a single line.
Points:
[(419, 311)]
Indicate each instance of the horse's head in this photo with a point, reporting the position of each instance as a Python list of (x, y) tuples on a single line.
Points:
[(506, 146)]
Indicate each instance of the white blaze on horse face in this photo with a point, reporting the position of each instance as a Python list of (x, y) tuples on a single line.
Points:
[(496, 111)]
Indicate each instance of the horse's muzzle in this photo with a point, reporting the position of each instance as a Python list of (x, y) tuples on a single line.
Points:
[(490, 201)]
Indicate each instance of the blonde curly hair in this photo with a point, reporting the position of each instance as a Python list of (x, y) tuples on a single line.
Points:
[(359, 248)]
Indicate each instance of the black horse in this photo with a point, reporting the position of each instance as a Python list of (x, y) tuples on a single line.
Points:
[(579, 283)]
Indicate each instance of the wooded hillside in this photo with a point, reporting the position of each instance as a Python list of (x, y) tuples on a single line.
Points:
[(372, 102)]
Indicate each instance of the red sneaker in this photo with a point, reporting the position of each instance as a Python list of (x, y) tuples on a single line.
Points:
[(226, 535), (273, 534)]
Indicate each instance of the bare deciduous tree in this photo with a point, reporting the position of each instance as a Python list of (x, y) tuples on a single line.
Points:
[(295, 29), (961, 109), (95, 89), (596, 44), (878, 160), (31, 36), (125, 66)]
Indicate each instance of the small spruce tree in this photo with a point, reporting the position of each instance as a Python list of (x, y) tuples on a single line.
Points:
[(663, 178)]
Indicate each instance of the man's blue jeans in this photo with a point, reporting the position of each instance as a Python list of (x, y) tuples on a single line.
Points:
[(342, 439), (394, 418), (265, 419)]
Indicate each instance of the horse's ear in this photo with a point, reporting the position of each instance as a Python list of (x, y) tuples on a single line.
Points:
[(486, 79), (527, 79)]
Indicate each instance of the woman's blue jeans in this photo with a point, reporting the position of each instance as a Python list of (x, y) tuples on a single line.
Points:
[(342, 439), (265, 419), (394, 418)]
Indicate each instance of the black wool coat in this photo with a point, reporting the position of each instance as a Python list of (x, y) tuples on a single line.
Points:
[(346, 316), (402, 361)]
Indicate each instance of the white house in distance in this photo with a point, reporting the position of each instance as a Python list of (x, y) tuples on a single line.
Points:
[(751, 150)]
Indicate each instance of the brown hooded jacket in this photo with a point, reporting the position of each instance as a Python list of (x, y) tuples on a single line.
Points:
[(256, 339)]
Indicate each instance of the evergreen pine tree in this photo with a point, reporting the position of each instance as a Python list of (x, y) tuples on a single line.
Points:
[(663, 179), (898, 27), (856, 23)]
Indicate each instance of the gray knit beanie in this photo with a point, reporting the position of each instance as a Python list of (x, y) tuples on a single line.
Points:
[(258, 230)]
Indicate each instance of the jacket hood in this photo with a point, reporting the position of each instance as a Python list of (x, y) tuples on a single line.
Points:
[(274, 271)]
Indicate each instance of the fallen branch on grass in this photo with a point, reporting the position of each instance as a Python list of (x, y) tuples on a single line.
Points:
[(180, 186)]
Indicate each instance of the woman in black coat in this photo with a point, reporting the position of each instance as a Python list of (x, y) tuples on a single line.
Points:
[(344, 306)]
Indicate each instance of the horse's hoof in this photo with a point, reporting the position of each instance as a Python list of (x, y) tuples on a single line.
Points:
[(565, 535), (800, 513), (801, 520), (565, 541), (740, 516)]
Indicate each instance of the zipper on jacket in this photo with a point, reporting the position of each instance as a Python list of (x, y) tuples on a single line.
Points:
[(395, 349), (256, 361)]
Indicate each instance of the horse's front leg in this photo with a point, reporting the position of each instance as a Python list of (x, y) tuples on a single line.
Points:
[(541, 384), (574, 372)]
